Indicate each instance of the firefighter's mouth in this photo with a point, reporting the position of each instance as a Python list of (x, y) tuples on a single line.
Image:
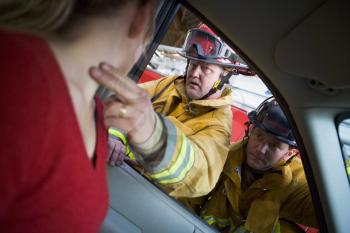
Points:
[(257, 158), (195, 84)]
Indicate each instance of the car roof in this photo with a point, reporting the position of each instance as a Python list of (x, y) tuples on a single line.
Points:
[(296, 44)]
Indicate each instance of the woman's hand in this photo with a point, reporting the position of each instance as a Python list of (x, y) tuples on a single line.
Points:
[(130, 109)]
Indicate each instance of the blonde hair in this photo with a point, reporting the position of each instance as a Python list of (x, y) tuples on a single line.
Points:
[(51, 16)]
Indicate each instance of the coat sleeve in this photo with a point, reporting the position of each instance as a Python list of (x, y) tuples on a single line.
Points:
[(191, 165), (153, 87)]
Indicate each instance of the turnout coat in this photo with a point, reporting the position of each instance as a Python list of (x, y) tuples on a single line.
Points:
[(198, 137), (283, 194)]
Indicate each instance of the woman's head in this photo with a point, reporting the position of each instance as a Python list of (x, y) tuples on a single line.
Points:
[(47, 17), (51, 17), (88, 31)]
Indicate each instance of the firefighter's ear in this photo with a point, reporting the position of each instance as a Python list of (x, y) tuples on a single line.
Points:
[(141, 20), (290, 153), (249, 128)]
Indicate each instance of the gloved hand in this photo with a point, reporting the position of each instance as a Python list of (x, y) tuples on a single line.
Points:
[(116, 151)]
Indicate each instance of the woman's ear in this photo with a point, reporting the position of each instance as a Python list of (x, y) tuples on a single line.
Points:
[(141, 20)]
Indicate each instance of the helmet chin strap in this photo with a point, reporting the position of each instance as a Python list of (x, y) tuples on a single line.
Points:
[(219, 84)]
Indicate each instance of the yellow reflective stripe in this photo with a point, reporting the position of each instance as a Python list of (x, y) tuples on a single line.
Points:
[(183, 172), (177, 164), (277, 227), (209, 219), (347, 164), (221, 222), (169, 175), (117, 134), (122, 137), (129, 153)]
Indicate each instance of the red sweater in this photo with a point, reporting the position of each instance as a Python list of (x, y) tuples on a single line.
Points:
[(48, 184)]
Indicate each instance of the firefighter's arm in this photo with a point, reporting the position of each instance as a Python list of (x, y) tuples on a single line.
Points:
[(299, 208), (119, 146), (152, 144), (190, 166), (152, 86)]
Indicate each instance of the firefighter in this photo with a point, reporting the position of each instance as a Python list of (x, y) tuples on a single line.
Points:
[(187, 148), (262, 181)]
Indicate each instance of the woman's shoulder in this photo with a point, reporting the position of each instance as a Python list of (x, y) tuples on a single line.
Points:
[(32, 86), (23, 57), (19, 42)]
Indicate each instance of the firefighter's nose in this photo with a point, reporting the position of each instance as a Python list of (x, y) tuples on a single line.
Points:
[(195, 70), (262, 147)]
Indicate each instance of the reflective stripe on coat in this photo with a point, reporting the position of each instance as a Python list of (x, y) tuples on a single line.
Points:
[(198, 137)]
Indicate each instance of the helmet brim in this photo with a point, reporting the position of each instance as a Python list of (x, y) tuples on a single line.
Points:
[(252, 118), (210, 61), (282, 139)]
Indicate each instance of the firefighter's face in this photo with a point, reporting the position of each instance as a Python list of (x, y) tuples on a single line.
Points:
[(264, 151), (200, 78)]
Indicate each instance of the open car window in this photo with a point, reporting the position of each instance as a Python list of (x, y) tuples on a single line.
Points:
[(248, 92)]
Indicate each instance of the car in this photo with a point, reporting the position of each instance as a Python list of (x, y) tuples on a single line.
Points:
[(298, 49)]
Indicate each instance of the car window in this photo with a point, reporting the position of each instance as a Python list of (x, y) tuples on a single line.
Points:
[(247, 88), (344, 138)]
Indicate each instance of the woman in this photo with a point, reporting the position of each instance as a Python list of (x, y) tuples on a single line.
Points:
[(53, 141)]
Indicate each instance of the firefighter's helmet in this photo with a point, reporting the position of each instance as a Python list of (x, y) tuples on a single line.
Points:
[(203, 44), (270, 118)]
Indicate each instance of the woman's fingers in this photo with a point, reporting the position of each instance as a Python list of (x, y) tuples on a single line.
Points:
[(131, 110), (111, 99), (126, 117), (119, 110), (126, 90)]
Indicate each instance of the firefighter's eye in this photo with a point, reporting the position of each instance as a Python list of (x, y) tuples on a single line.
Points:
[(258, 135), (273, 146), (191, 65), (206, 69)]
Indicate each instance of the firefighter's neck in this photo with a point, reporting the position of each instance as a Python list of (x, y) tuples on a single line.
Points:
[(249, 175)]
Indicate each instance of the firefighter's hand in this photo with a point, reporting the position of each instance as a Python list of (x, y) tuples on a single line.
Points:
[(130, 109), (116, 151)]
